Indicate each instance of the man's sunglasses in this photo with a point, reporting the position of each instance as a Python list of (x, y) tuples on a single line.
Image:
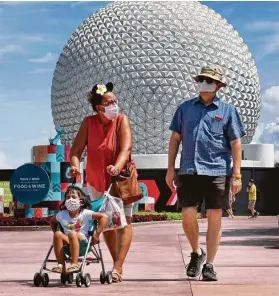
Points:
[(207, 80)]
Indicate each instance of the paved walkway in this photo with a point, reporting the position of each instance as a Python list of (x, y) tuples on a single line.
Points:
[(247, 262)]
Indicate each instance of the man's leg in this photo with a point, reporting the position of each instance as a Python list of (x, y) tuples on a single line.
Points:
[(217, 198), (255, 213), (251, 207), (214, 233), (189, 197), (191, 227)]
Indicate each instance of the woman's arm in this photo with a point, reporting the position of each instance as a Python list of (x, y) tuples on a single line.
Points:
[(125, 138), (78, 146)]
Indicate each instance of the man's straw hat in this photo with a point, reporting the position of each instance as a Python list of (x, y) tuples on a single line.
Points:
[(213, 72)]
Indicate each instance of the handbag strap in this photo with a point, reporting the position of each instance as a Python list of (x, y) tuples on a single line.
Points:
[(115, 140), (109, 188), (118, 121)]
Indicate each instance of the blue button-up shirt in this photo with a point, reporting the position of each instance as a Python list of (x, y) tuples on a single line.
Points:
[(206, 133)]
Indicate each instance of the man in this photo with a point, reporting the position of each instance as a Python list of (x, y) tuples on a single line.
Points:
[(252, 190), (210, 131)]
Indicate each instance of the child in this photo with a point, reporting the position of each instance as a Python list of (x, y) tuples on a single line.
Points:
[(74, 218)]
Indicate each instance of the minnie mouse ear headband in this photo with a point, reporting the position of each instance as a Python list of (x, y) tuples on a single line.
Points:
[(101, 89)]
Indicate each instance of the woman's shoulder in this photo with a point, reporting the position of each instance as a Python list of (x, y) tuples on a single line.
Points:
[(122, 117), (91, 117), (122, 121)]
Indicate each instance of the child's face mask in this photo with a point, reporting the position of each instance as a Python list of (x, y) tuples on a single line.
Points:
[(72, 204)]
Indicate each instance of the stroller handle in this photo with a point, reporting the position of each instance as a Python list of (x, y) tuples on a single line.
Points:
[(93, 228)]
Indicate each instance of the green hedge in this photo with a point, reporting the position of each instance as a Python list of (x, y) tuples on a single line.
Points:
[(137, 217), (170, 215)]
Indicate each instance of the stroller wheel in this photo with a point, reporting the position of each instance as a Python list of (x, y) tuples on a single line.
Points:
[(109, 277), (37, 279), (102, 277), (87, 280), (45, 279), (63, 278), (70, 278), (79, 280)]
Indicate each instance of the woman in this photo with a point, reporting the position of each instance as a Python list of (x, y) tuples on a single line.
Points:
[(107, 136)]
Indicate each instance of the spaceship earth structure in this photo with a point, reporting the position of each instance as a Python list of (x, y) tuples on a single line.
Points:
[(151, 51)]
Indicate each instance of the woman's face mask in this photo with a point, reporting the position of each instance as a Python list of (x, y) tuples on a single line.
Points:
[(111, 111), (205, 87), (72, 204)]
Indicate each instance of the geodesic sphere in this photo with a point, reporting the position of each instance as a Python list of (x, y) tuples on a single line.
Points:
[(151, 51)]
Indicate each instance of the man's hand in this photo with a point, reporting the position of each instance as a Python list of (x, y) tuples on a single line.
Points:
[(236, 186), (74, 172), (171, 178)]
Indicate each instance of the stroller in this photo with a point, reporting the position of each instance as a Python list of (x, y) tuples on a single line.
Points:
[(81, 277)]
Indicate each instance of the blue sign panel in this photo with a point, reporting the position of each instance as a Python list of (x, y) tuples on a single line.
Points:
[(29, 184)]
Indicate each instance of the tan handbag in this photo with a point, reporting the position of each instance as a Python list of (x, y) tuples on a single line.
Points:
[(126, 185)]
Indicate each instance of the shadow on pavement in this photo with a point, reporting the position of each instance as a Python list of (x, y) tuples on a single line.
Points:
[(273, 247), (252, 232), (155, 280), (274, 231), (255, 237), (52, 283), (56, 283), (268, 243)]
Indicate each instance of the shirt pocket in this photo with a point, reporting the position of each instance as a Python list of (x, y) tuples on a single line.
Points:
[(215, 126)]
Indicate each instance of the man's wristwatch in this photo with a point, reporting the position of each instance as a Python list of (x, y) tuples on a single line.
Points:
[(237, 176)]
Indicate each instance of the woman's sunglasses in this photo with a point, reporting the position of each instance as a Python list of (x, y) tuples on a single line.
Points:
[(207, 80), (106, 104)]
